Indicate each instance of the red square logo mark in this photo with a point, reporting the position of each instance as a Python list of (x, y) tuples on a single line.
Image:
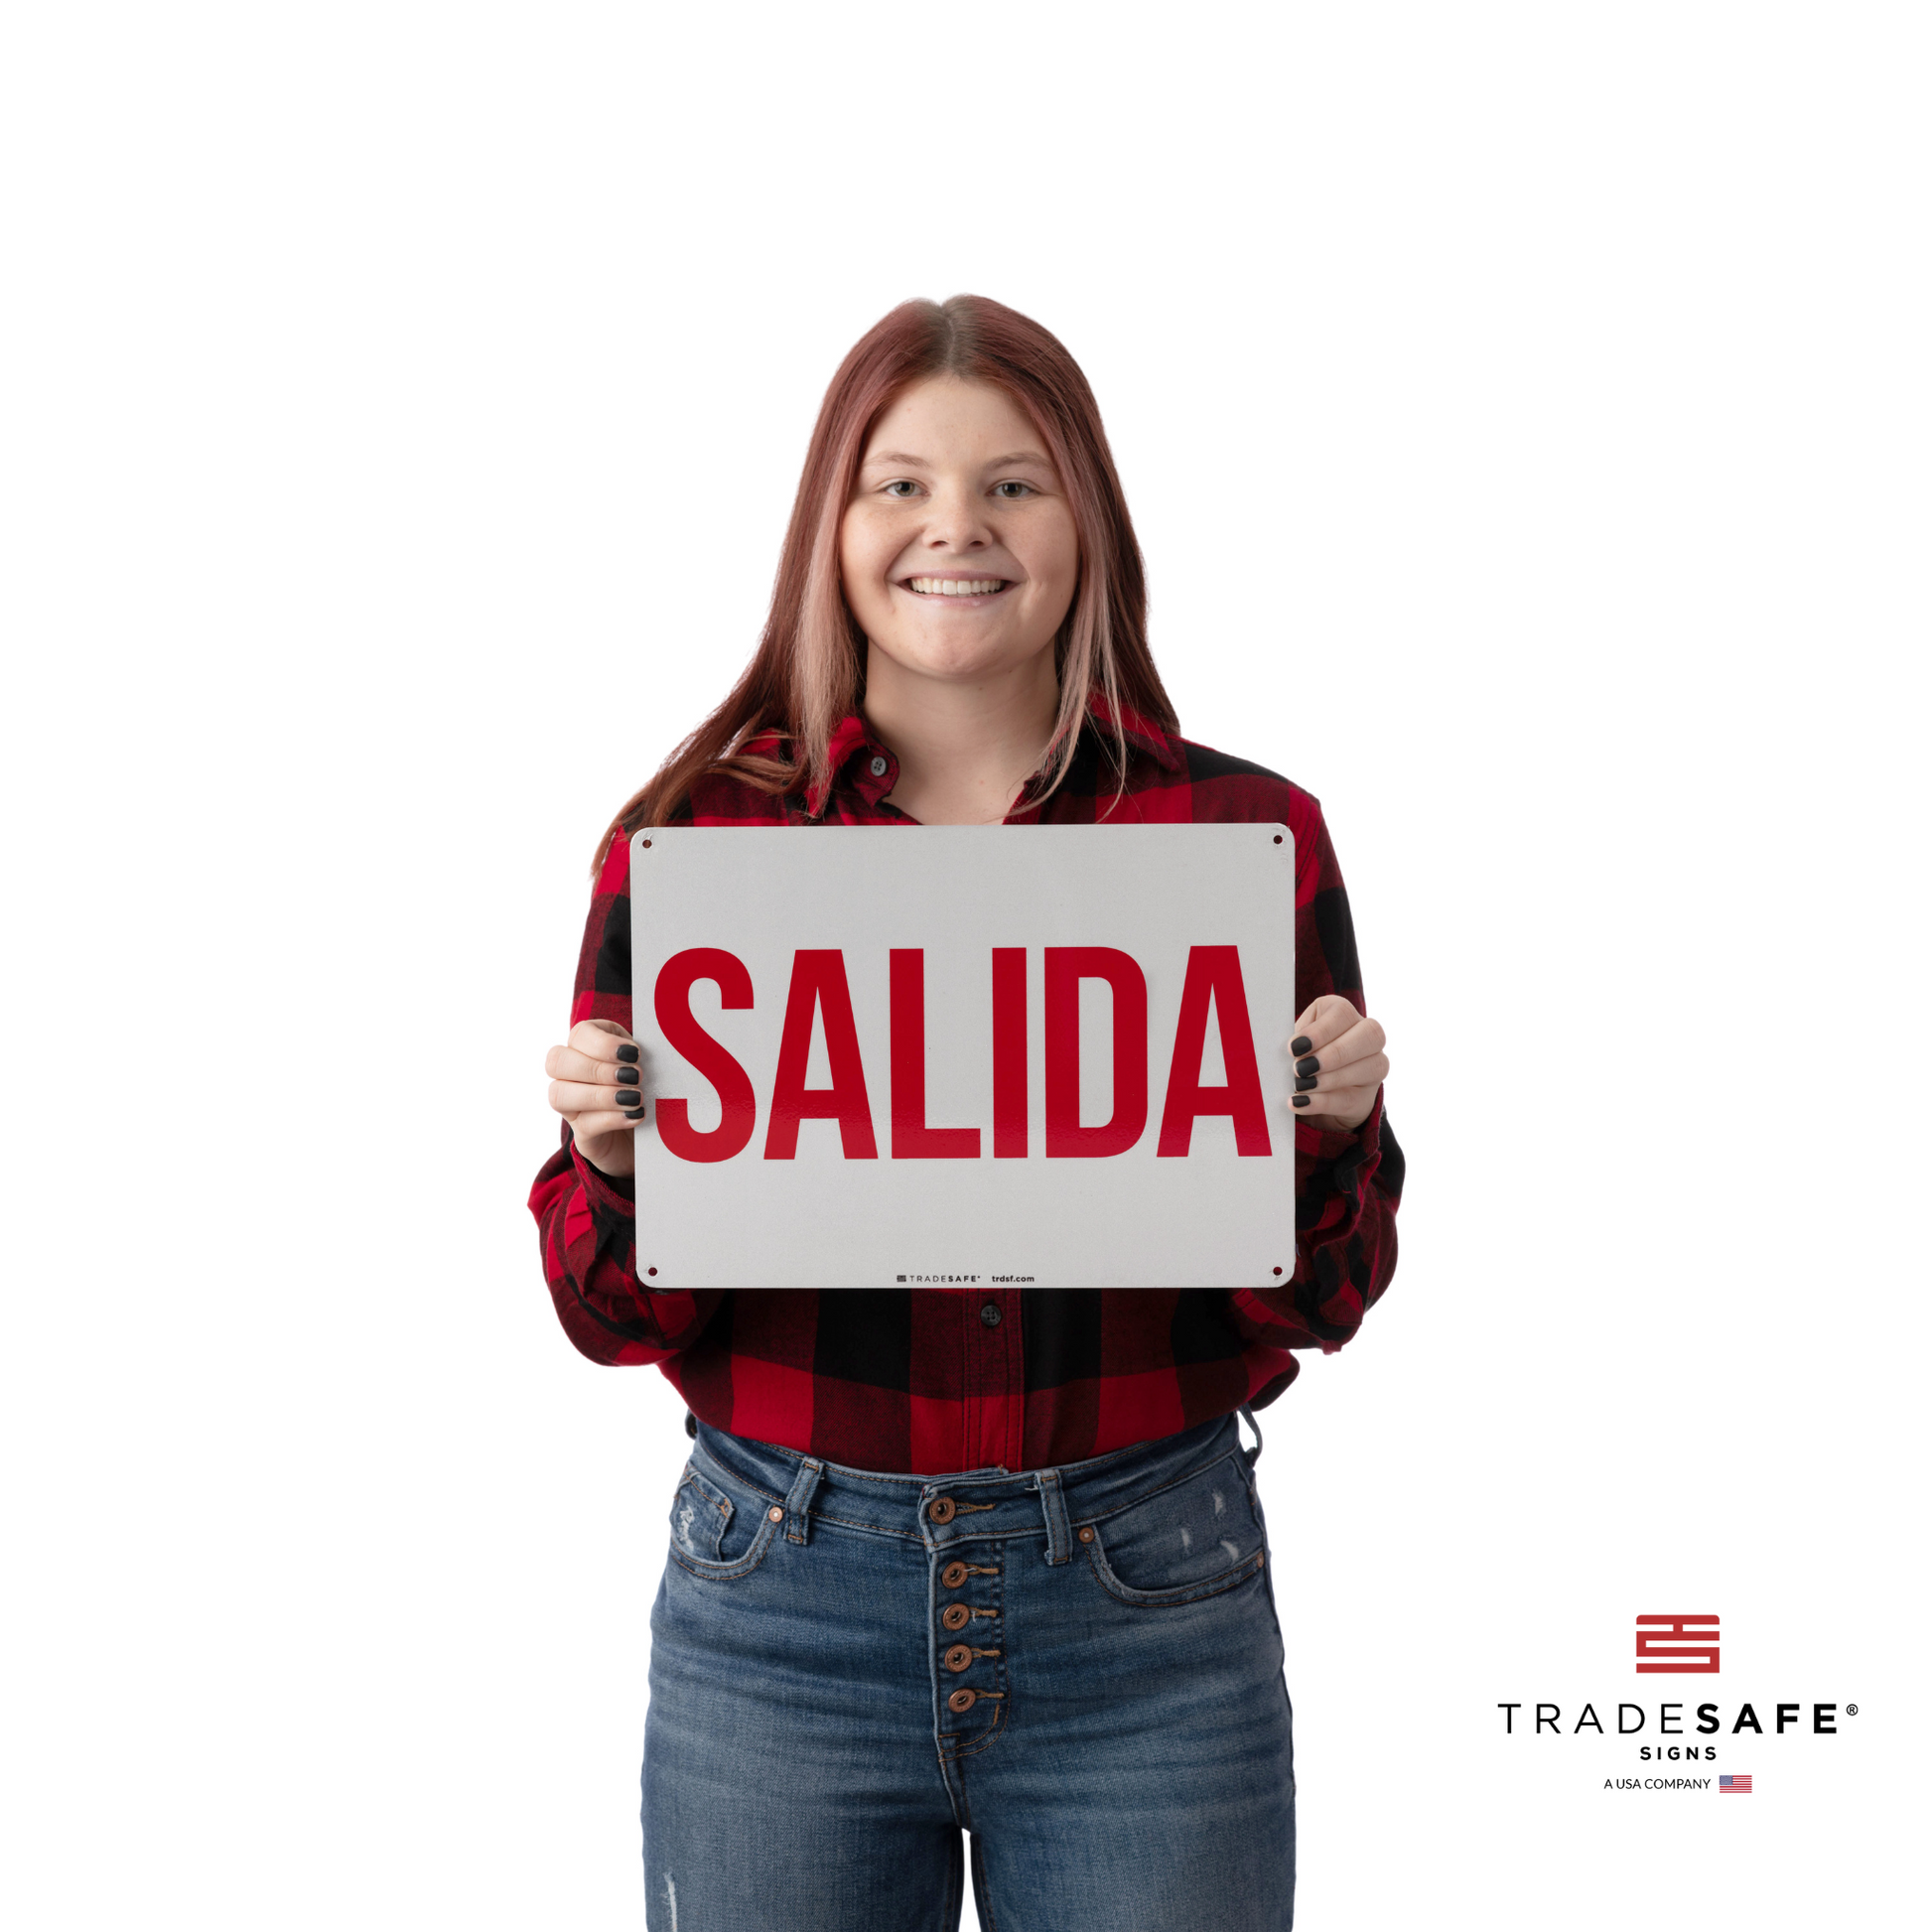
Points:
[(1677, 1644)]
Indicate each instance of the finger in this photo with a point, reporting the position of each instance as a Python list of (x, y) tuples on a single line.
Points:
[(1361, 1041), (1326, 1020), (1345, 1056), (604, 1039), (1346, 1109), (1344, 1095), (567, 1063), (575, 1101), (1332, 1032)]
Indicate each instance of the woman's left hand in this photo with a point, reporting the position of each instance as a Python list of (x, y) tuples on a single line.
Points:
[(1338, 1064)]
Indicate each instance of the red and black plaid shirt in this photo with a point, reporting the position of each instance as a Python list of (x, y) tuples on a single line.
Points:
[(928, 1381)]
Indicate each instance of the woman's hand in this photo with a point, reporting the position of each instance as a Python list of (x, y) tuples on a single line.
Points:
[(1338, 1064), (594, 1079)]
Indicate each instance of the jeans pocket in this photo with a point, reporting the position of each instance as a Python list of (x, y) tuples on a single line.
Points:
[(1192, 1539), (700, 1511), (708, 1529)]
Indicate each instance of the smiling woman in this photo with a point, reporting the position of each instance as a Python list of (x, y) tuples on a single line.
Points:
[(992, 1560), (937, 367)]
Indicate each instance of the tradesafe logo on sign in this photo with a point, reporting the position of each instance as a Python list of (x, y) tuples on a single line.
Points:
[(1678, 1644), (1056, 1056)]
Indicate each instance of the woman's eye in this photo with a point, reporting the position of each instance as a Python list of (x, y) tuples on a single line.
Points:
[(902, 488), (1012, 492)]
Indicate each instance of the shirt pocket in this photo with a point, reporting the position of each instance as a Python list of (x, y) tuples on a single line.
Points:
[(1192, 1539), (700, 1515)]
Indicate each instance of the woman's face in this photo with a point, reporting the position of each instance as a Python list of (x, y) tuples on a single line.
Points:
[(958, 550)]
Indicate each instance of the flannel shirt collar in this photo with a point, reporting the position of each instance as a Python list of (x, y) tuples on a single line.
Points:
[(861, 762)]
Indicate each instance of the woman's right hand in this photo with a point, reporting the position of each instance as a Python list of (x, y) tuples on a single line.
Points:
[(594, 1079)]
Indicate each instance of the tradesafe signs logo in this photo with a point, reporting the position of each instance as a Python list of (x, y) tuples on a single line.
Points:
[(1661, 1645), (1660, 1732)]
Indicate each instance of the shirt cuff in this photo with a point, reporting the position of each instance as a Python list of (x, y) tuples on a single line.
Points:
[(615, 1193)]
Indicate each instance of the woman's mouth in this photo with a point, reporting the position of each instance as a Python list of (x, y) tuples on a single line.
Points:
[(955, 586)]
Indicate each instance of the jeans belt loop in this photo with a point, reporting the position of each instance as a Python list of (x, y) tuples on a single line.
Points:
[(1052, 1502), (798, 1500), (1253, 1454)]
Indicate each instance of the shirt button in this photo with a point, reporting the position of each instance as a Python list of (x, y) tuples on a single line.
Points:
[(954, 1616), (953, 1575), (990, 1313), (958, 1657), (940, 1509), (879, 768)]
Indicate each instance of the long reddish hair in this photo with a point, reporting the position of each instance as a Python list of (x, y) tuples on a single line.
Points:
[(808, 671)]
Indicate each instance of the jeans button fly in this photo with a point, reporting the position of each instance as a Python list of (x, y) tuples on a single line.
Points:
[(958, 1657), (953, 1575), (940, 1509), (955, 1616), (962, 1700)]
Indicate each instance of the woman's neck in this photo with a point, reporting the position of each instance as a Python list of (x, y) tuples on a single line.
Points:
[(964, 749)]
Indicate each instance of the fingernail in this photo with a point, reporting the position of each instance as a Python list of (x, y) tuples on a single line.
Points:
[(1300, 1100), (1308, 1065), (1304, 1083), (627, 1076), (1299, 1043), (638, 1113), (630, 1054)]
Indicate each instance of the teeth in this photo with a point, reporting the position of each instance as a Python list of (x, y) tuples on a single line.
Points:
[(957, 586)]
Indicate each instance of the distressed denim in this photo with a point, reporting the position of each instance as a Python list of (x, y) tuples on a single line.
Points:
[(1080, 1669)]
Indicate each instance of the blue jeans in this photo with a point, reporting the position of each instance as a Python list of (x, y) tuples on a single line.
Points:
[(1079, 1667)]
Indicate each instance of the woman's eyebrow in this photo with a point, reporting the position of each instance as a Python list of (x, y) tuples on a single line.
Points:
[(901, 459)]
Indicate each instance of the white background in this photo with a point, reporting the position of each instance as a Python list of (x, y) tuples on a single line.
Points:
[(1524, 408)]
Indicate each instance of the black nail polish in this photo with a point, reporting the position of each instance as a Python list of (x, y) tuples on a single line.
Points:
[(627, 1076), (1299, 1043), (1308, 1065), (633, 1113), (1304, 1083), (1300, 1100), (626, 1051)]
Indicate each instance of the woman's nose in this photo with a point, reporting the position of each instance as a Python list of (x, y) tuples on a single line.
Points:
[(957, 519)]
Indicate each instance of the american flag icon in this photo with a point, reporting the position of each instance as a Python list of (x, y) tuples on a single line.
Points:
[(1727, 1782)]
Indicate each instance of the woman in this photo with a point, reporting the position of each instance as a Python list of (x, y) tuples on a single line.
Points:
[(989, 1560)]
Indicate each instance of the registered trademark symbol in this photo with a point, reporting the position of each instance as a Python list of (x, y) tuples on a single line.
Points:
[(1850, 1710)]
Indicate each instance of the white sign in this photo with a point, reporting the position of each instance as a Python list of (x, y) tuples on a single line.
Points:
[(940, 1057)]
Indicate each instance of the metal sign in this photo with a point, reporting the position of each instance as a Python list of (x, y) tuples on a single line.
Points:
[(941, 1056)]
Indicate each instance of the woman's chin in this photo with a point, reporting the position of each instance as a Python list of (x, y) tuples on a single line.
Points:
[(952, 658)]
